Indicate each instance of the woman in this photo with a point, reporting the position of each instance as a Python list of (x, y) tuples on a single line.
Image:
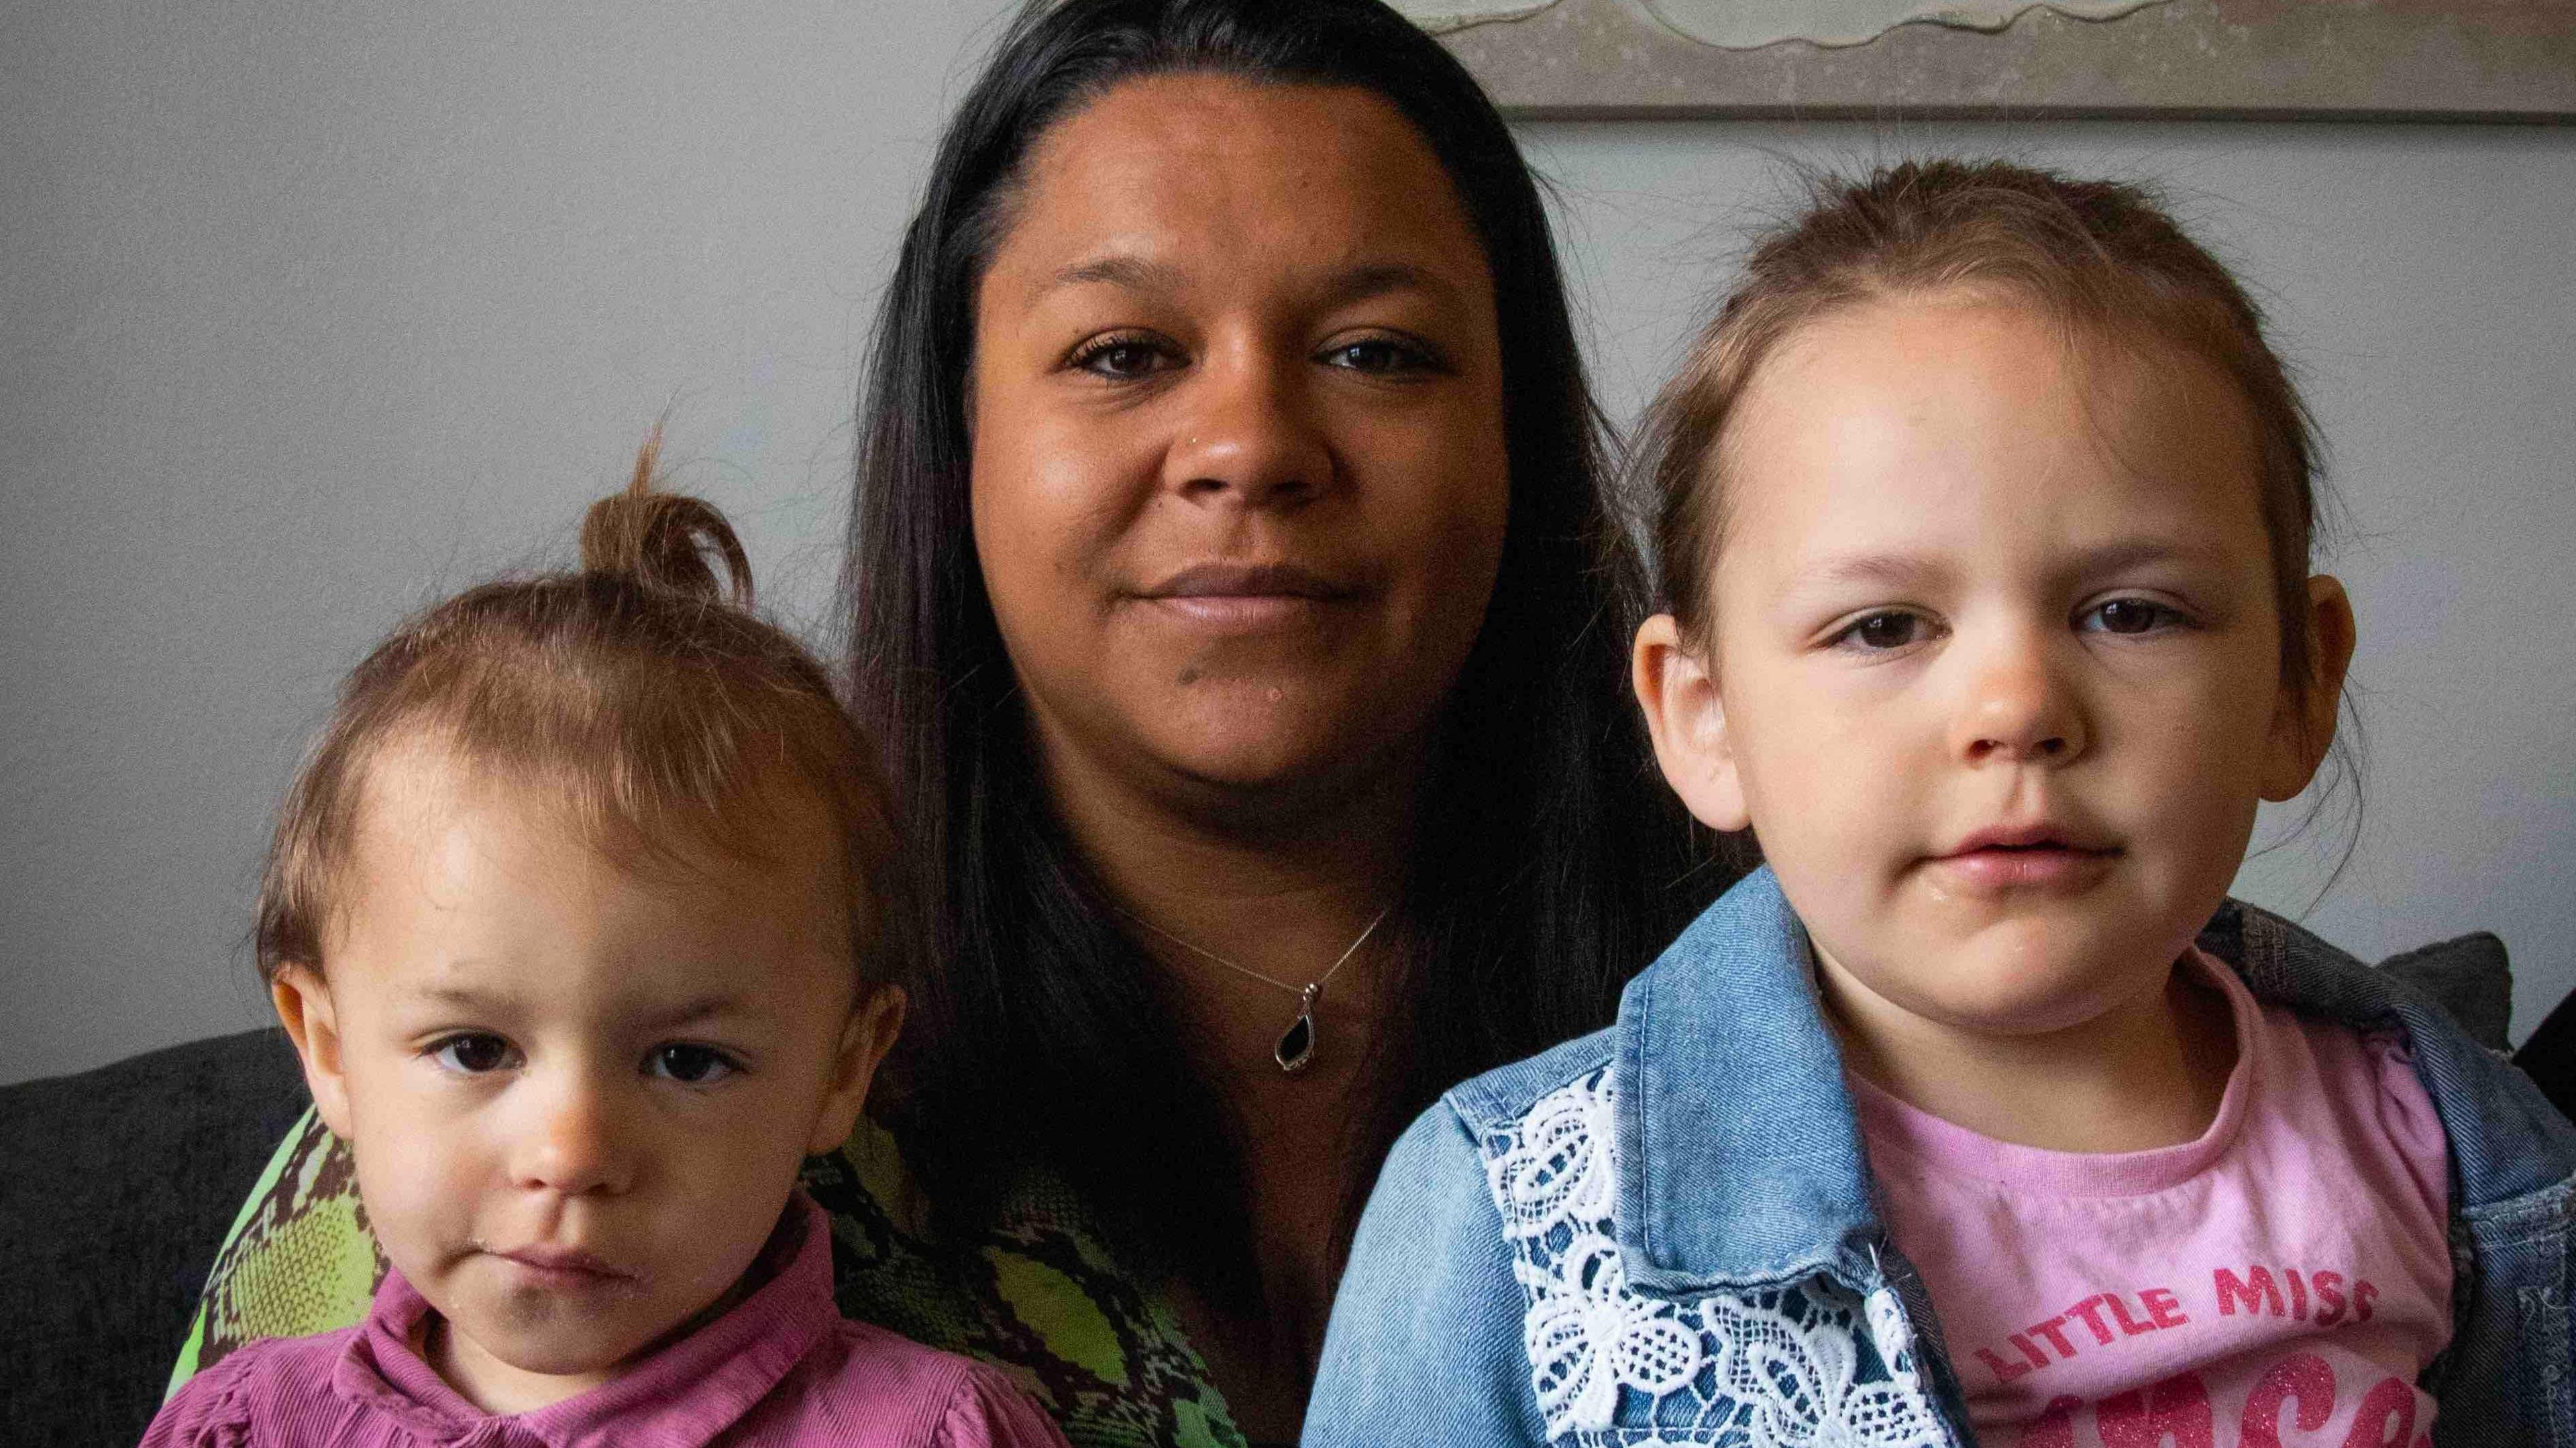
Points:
[(1235, 590)]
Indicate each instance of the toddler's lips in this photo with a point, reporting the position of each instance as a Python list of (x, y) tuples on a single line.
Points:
[(567, 1269), (1997, 869)]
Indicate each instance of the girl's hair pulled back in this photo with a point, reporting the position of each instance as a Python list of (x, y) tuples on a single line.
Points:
[(2103, 259), (639, 695)]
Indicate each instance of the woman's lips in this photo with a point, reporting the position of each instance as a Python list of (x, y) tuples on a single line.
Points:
[(1231, 597)]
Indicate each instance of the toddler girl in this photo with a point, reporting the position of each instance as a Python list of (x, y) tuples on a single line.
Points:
[(575, 915), (1985, 510)]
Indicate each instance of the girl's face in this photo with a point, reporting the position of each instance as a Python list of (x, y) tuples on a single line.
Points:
[(577, 1095), (1996, 661), (1239, 479)]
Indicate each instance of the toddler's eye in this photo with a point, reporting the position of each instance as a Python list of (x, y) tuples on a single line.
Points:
[(473, 1054), (1891, 629), (690, 1065), (2129, 616)]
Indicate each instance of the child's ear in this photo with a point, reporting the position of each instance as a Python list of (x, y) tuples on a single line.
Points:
[(1678, 692), (2303, 727), (303, 1000), (864, 1043)]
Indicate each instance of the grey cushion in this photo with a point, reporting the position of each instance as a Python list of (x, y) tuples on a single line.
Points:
[(120, 1185), (2469, 978)]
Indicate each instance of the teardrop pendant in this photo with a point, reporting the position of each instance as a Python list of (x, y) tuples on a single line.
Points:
[(1297, 1044)]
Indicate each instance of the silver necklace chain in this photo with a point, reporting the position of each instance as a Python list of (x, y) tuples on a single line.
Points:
[(1296, 1046), (1203, 953)]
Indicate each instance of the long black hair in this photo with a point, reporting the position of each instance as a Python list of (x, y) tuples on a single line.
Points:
[(1549, 862)]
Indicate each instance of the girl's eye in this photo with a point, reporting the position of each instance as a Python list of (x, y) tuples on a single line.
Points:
[(690, 1065), (474, 1053), (1122, 358), (2128, 616), (1379, 355), (1880, 632)]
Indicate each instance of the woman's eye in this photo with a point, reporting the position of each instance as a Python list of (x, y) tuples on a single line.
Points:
[(2128, 616), (1121, 358), (473, 1054), (1377, 354), (689, 1065), (1892, 629)]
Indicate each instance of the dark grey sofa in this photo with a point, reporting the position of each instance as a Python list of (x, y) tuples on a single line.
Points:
[(119, 1185)]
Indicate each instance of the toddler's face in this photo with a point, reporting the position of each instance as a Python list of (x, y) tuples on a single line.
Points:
[(577, 1094), (1996, 658)]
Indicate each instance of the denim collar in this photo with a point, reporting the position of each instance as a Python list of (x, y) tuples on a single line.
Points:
[(1718, 1186)]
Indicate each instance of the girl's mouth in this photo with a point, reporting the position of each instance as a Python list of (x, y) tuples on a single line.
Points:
[(1984, 865), (565, 1269)]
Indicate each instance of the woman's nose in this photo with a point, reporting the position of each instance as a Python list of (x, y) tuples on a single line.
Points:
[(1246, 436), (2019, 708), (575, 1141)]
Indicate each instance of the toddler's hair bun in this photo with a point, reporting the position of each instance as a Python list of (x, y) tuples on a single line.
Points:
[(662, 540)]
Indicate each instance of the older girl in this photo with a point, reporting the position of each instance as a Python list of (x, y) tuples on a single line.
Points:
[(1986, 512)]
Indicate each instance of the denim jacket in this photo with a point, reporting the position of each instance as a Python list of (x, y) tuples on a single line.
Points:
[(1663, 1233)]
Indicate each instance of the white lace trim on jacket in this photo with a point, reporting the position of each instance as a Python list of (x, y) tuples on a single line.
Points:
[(1613, 1366)]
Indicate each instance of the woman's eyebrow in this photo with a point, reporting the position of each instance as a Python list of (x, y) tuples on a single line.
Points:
[(1133, 273), (1376, 279), (1337, 289)]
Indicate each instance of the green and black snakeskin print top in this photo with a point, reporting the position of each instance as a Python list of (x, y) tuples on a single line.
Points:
[(1037, 1293)]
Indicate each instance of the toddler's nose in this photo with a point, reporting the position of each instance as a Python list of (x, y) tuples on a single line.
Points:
[(576, 1141), (2018, 709)]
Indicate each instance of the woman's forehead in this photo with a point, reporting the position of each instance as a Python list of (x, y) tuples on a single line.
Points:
[(1166, 180)]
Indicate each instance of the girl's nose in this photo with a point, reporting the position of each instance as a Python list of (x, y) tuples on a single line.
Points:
[(1245, 435), (2018, 709), (574, 1141)]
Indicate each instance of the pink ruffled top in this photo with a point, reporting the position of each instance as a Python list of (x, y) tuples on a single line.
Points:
[(781, 1368)]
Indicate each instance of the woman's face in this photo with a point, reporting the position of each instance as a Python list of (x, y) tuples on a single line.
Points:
[(1239, 477)]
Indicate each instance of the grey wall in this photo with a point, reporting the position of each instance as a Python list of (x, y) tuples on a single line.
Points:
[(312, 312)]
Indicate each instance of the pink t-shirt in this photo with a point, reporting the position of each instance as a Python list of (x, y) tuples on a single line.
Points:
[(2281, 1281), (782, 1368)]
